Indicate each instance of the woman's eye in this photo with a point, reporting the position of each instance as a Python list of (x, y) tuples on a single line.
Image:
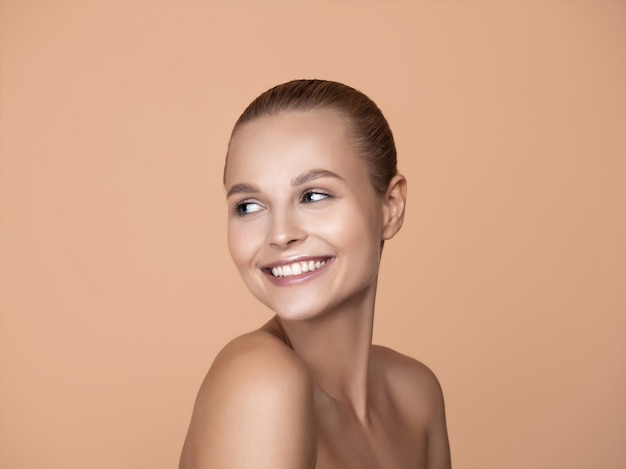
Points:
[(244, 208), (314, 196)]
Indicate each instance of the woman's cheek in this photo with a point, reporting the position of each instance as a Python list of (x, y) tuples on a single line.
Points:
[(244, 238), (236, 242)]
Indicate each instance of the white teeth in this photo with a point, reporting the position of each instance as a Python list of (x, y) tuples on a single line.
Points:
[(297, 268)]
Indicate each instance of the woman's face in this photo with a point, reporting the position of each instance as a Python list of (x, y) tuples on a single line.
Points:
[(304, 225)]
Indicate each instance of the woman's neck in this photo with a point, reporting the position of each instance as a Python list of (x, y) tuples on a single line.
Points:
[(336, 348)]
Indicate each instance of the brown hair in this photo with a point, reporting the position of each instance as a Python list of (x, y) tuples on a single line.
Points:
[(367, 125)]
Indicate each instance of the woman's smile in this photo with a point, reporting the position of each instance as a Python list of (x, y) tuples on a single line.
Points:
[(296, 272), (296, 266)]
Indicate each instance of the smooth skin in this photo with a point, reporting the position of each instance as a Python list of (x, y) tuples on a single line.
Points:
[(308, 389)]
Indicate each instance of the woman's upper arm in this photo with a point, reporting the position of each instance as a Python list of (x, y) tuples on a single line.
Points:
[(438, 444), (254, 410)]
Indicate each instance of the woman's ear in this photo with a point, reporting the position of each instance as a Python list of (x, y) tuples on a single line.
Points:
[(393, 206)]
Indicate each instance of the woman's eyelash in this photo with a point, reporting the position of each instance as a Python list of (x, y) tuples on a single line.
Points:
[(245, 208), (314, 196)]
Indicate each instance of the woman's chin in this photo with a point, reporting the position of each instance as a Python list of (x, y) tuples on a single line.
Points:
[(297, 314), (300, 311)]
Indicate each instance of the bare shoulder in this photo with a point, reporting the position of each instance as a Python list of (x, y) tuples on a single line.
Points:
[(417, 392), (405, 375), (258, 355), (254, 409)]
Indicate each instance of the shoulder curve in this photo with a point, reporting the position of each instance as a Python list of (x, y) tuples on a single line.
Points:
[(256, 355), (403, 366), (253, 367), (258, 394), (409, 379)]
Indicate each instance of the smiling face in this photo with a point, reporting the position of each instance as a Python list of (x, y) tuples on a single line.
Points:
[(305, 227)]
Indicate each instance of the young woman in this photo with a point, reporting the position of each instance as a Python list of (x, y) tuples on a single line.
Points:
[(313, 194)]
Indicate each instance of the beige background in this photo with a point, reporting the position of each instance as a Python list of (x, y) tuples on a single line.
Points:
[(509, 278)]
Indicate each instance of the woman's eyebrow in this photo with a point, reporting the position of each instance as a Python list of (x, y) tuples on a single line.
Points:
[(303, 178), (312, 175), (242, 189)]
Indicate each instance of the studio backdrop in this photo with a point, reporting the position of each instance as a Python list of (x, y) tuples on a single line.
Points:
[(508, 278)]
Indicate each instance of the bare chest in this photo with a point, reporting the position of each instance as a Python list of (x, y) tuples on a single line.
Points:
[(387, 442)]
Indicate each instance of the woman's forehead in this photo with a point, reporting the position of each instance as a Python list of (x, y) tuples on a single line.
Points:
[(326, 123), (290, 143)]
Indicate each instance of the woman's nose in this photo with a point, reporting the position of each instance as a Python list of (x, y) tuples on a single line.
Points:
[(285, 230)]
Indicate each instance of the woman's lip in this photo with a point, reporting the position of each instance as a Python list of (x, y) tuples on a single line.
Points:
[(295, 260)]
